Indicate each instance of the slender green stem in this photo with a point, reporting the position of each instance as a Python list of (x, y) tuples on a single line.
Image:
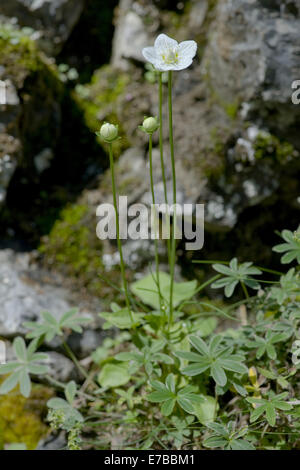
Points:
[(173, 244), (245, 290), (74, 359), (153, 202), (122, 264), (161, 149)]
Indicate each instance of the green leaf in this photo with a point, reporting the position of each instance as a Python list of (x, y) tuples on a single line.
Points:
[(218, 374), (218, 428), (270, 414), (146, 289), (20, 349), (113, 375), (126, 356), (170, 383), (70, 391), (186, 404), (122, 319), (195, 369), (199, 344), (257, 413), (57, 404), (241, 445), (9, 384), (292, 247), (207, 410), (190, 356), (234, 366), (37, 369), (205, 326), (68, 315), (234, 274), (168, 406), (159, 396), (214, 442), (7, 368), (25, 383)]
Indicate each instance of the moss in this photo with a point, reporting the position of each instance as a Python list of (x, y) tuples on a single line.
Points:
[(231, 108), (269, 146), (21, 418), (20, 56), (73, 248), (72, 245), (98, 101), (213, 163)]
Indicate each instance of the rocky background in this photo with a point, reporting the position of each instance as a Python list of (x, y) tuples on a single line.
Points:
[(67, 65)]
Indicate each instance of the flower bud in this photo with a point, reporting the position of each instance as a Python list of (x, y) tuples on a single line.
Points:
[(150, 125), (108, 132)]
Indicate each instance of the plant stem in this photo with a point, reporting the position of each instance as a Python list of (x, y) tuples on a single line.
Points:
[(161, 149), (245, 289), (153, 202), (74, 359), (173, 244), (122, 264)]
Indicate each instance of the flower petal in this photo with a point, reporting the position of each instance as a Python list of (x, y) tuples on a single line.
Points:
[(183, 63), (150, 54), (162, 67), (187, 49), (163, 43)]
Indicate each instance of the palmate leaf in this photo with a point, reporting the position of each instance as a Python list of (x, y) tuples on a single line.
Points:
[(265, 345), (51, 327), (268, 407), (28, 363), (291, 248), (213, 357), (146, 289), (147, 357), (167, 394), (225, 437), (234, 274)]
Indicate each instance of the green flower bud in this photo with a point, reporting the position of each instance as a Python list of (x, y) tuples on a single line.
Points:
[(108, 132), (150, 125)]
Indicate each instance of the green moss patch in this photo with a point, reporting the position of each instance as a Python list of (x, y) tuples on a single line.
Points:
[(99, 101), (21, 418)]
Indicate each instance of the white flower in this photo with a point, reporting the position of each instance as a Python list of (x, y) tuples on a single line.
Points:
[(167, 54)]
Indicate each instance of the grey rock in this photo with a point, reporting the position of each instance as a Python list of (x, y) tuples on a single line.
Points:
[(60, 367), (42, 161), (197, 16), (23, 299), (129, 40), (9, 145), (87, 342), (53, 442), (253, 56), (132, 32), (8, 165), (9, 94), (55, 19)]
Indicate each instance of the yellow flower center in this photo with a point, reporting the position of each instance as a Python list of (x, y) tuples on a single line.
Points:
[(170, 57)]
